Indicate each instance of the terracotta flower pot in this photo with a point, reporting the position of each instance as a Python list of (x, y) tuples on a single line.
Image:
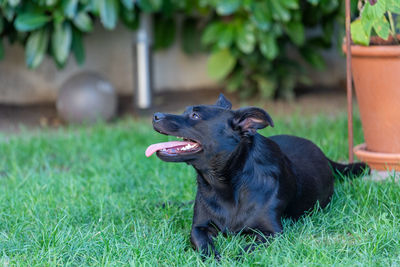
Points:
[(376, 74)]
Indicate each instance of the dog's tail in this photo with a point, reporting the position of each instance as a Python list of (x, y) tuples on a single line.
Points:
[(352, 169)]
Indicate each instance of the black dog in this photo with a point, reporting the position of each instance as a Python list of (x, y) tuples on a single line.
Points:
[(246, 182)]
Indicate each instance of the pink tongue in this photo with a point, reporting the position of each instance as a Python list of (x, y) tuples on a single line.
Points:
[(156, 147)]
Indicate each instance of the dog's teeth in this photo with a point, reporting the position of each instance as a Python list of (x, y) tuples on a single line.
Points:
[(187, 147)]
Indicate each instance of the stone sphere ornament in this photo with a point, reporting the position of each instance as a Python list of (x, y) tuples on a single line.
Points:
[(86, 98)]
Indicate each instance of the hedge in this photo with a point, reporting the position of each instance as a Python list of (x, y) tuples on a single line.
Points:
[(250, 42)]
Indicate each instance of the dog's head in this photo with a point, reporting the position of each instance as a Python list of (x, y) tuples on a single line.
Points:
[(208, 131)]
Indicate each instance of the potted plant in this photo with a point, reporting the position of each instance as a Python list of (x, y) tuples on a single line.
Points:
[(375, 52)]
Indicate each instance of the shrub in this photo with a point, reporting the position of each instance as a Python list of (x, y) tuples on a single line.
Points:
[(251, 42)]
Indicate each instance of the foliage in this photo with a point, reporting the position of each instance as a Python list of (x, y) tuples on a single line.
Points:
[(252, 43), (264, 36), (57, 27), (376, 18)]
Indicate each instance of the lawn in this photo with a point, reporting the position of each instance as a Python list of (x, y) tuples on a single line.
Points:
[(89, 196)]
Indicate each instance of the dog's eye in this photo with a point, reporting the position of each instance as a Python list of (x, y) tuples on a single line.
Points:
[(194, 116)]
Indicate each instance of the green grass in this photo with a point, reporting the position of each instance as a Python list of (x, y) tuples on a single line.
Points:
[(89, 196)]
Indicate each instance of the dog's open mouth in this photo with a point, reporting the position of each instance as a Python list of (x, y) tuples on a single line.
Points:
[(174, 148)]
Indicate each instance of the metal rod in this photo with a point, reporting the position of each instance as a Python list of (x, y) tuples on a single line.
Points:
[(349, 82), (142, 54)]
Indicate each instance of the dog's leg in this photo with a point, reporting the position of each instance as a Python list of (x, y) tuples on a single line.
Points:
[(202, 242)]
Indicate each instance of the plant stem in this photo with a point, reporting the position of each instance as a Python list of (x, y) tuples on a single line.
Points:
[(392, 27)]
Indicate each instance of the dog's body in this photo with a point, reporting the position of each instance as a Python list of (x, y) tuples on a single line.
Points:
[(246, 182)]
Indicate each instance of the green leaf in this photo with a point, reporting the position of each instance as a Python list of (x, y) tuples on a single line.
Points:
[(36, 47), (374, 17), (358, 34), (245, 38), (164, 32), (374, 12), (261, 15), (220, 64), (77, 47), (1, 49), (83, 22), (246, 4), (220, 33), (51, 3), (211, 33), (58, 16), (93, 7), (8, 13), (393, 6), (109, 13), (30, 21), (227, 7), (366, 25), (295, 30), (14, 3), (268, 46), (70, 7), (61, 40), (382, 27), (291, 4), (128, 4), (226, 36), (279, 12)]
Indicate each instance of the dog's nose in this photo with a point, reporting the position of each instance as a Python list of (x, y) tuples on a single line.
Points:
[(158, 116)]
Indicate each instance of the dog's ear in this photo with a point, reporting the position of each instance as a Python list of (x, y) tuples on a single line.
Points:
[(249, 120), (223, 102)]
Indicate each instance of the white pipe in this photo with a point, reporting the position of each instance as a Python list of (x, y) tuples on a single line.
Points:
[(142, 62)]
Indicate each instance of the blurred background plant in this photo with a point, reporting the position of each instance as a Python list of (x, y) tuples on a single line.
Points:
[(254, 45)]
